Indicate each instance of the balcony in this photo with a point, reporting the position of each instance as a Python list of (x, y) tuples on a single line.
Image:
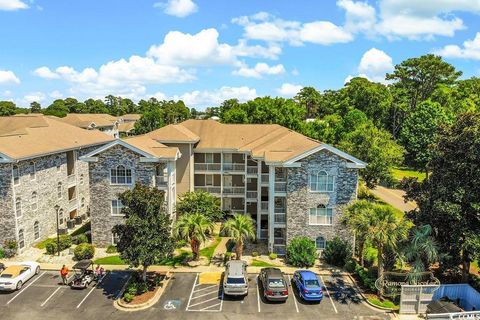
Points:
[(279, 249), (207, 166), (252, 195), (71, 180), (280, 210), (234, 167), (281, 186), (233, 190), (72, 204), (264, 206), (210, 189), (280, 218), (161, 181), (236, 210), (265, 178), (252, 170)]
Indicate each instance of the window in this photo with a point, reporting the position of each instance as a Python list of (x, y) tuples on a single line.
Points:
[(36, 230), (320, 243), (61, 219), (32, 170), (115, 238), (120, 175), (81, 179), (18, 207), (82, 202), (321, 215), (209, 180), (321, 182), (16, 175), (117, 206), (208, 157), (59, 190), (58, 163), (34, 201), (21, 239)]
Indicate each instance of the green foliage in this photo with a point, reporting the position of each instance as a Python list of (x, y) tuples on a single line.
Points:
[(199, 202), (370, 256), (227, 256), (150, 120), (310, 99), (145, 237), (84, 251), (194, 228), (83, 229), (272, 256), (255, 254), (207, 252), (65, 241), (57, 108), (301, 252), (240, 228), (367, 277), (263, 264), (337, 252), (134, 288), (7, 108), (181, 243), (350, 266), (81, 238), (111, 260), (111, 249), (35, 107)]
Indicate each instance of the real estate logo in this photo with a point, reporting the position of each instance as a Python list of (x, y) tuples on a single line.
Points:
[(391, 283)]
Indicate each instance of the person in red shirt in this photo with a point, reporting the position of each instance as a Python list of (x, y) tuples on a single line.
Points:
[(64, 273)]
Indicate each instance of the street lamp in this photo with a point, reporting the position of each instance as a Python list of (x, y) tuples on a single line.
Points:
[(57, 210)]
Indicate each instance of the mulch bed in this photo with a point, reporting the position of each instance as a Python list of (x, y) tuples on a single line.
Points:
[(152, 289)]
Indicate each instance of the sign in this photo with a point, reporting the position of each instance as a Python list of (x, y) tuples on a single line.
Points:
[(172, 304), (392, 282)]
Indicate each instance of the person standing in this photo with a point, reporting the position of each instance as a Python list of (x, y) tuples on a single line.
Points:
[(64, 273)]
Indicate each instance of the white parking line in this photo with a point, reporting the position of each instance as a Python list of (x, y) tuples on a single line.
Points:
[(205, 294), (91, 290), (205, 288), (45, 302), (293, 293), (191, 293), (331, 300), (198, 303), (209, 307), (258, 296), (21, 291)]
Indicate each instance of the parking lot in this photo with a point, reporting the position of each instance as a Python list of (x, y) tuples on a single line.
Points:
[(185, 297)]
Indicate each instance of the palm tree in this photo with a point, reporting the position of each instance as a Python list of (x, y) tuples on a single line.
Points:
[(386, 229), (356, 217), (240, 228), (194, 228)]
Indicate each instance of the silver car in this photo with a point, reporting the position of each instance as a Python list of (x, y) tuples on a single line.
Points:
[(235, 281)]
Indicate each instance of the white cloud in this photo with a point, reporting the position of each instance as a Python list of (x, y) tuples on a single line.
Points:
[(359, 16), (259, 70), (470, 49), (325, 33), (177, 8), (289, 90), (12, 5), (55, 94), (46, 73), (34, 96), (8, 77), (374, 65), (209, 98), (242, 49)]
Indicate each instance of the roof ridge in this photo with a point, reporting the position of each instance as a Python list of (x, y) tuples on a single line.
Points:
[(271, 135), (186, 131)]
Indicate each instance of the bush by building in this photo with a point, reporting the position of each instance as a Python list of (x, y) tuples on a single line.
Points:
[(84, 251), (302, 252), (337, 252), (65, 242)]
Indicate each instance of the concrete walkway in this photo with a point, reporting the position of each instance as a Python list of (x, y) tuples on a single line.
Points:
[(394, 197)]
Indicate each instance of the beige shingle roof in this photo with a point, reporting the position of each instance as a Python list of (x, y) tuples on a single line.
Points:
[(27, 136), (86, 120), (174, 133), (152, 147), (126, 126)]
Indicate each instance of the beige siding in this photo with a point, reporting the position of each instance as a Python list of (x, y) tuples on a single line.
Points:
[(183, 167)]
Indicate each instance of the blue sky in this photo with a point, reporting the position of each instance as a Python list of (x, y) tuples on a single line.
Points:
[(205, 51)]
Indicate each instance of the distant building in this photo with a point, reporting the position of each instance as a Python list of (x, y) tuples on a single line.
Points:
[(93, 121)]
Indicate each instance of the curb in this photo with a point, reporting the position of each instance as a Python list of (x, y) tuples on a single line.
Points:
[(365, 299), (121, 305)]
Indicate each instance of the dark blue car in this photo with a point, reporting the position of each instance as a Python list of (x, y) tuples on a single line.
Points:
[(308, 285)]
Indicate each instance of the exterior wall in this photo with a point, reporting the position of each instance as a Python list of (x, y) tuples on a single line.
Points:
[(7, 215), (184, 170), (102, 192), (300, 199)]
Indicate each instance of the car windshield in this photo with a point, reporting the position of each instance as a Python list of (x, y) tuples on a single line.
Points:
[(6, 276), (312, 284), (276, 283), (235, 280)]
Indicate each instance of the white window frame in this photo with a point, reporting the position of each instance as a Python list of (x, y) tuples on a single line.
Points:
[(113, 239), (324, 243), (34, 200), (16, 178), (61, 217), (36, 229), (117, 208), (207, 155), (326, 216), (213, 180), (33, 170), (328, 183), (116, 176), (18, 208)]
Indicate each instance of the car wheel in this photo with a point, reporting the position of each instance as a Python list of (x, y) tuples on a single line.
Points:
[(37, 270), (19, 285)]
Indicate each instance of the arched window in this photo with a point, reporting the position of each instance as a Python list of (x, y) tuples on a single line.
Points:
[(320, 243), (321, 182), (34, 200), (59, 190), (82, 202), (61, 219), (16, 174), (321, 215), (81, 179), (121, 175), (32, 170), (21, 239), (36, 230), (18, 207)]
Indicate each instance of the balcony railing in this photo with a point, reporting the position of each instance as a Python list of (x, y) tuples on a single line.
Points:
[(280, 218), (235, 210), (263, 233), (252, 194), (207, 166), (233, 190), (72, 204), (264, 206), (280, 210), (71, 179), (234, 167), (252, 169), (210, 189), (265, 178), (280, 186), (279, 249), (161, 181)]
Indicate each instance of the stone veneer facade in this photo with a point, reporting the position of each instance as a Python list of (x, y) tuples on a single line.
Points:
[(102, 192), (49, 171), (300, 199)]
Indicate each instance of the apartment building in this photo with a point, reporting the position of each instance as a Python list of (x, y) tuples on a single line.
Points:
[(93, 121), (42, 183), (289, 184)]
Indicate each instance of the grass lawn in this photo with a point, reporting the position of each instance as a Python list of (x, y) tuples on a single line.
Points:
[(112, 260), (384, 304), (260, 263), (208, 251), (175, 260), (400, 173), (86, 227), (41, 245)]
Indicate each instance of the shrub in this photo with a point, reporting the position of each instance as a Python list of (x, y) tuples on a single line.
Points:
[(84, 251), (9, 248), (64, 240), (475, 281), (367, 278), (81, 238), (128, 297), (337, 252), (2, 253), (181, 243), (370, 256), (301, 252), (350, 265), (254, 254), (111, 249), (272, 256)]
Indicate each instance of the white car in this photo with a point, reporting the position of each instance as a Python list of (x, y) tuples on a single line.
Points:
[(15, 276)]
